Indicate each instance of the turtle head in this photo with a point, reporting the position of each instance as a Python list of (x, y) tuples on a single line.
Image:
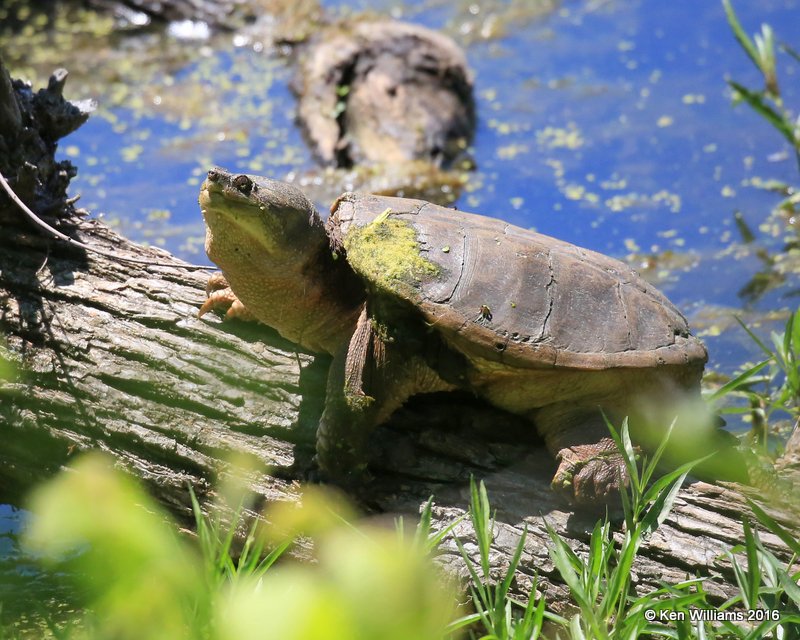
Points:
[(271, 246), (251, 211)]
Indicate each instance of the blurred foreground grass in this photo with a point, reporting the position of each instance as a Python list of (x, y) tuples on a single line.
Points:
[(124, 569), (134, 574), (140, 578)]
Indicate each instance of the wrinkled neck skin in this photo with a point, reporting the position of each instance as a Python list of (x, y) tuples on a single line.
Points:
[(302, 292)]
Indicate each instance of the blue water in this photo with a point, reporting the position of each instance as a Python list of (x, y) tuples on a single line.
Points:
[(607, 124), (10, 525)]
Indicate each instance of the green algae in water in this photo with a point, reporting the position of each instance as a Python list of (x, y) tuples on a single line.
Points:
[(388, 253)]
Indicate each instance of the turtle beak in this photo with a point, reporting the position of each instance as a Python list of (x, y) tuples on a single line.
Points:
[(217, 177), (215, 174), (222, 188), (213, 184)]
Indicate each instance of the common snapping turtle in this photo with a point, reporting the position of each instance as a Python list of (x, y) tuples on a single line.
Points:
[(409, 297)]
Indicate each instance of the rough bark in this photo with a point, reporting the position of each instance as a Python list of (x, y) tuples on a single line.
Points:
[(220, 14), (384, 92), (110, 356)]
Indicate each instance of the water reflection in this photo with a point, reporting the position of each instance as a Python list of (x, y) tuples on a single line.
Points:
[(607, 124)]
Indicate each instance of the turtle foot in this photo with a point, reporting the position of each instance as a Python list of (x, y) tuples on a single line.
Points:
[(591, 474), (222, 297), (350, 481)]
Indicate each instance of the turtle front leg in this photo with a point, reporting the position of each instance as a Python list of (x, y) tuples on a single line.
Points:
[(221, 296), (367, 381), (591, 470), (353, 403), (344, 429)]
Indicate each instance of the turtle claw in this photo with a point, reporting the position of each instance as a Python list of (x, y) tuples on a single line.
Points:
[(216, 282), (222, 297), (349, 481), (590, 474)]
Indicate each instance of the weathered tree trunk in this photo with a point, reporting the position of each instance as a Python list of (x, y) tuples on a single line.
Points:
[(110, 355)]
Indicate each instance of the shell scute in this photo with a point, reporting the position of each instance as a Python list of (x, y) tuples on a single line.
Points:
[(502, 293)]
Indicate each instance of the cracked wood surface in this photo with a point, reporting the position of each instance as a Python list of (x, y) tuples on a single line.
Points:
[(112, 357)]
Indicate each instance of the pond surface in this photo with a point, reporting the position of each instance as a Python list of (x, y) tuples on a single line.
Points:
[(605, 123)]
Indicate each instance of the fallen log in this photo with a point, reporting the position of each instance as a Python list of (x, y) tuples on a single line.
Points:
[(110, 355)]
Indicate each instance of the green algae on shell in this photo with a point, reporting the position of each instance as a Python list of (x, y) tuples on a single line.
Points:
[(388, 253)]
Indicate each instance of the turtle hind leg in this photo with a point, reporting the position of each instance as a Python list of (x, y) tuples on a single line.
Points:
[(591, 470)]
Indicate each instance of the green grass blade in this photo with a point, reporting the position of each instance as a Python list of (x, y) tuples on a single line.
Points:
[(532, 619), (728, 411), (765, 44), (763, 630), (754, 337), (477, 583), (462, 622), (756, 101), (225, 561), (652, 493), (753, 567), (741, 37), (536, 620), (741, 579), (618, 585), (778, 341), (423, 539), (505, 585), (788, 334), (482, 522), (740, 380), (575, 629), (576, 633), (790, 587), (774, 527), (564, 560), (423, 528), (662, 505), (625, 447), (789, 353), (793, 350), (789, 50), (434, 541), (597, 559), (659, 451), (271, 558)]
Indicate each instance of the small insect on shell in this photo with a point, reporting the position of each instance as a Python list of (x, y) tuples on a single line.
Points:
[(485, 312)]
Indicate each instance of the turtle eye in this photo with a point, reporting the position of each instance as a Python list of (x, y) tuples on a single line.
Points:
[(243, 184)]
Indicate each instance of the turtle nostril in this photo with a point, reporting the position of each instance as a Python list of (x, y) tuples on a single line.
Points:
[(213, 175), (243, 184)]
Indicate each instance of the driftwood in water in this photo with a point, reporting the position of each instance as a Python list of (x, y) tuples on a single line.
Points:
[(110, 355), (384, 92)]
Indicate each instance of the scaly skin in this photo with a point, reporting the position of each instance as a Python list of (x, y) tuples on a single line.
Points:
[(279, 268), (271, 246)]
